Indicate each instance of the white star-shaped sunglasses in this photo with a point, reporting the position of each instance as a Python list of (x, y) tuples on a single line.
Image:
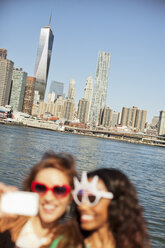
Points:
[(85, 191)]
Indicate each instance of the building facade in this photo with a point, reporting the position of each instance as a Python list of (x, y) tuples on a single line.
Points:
[(100, 87), (69, 109), (18, 89), (43, 59), (162, 123), (57, 88), (29, 95), (72, 90), (6, 71), (140, 120), (105, 117), (83, 110)]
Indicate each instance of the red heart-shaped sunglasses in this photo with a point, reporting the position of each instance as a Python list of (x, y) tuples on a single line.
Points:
[(57, 190)]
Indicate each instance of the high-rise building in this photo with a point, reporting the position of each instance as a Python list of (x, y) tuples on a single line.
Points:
[(140, 119), (115, 118), (6, 71), (72, 90), (105, 117), (128, 116), (133, 118), (83, 110), (58, 109), (69, 109), (100, 87), (162, 123), (29, 95), (3, 53), (88, 89), (43, 59), (57, 87), (18, 89)]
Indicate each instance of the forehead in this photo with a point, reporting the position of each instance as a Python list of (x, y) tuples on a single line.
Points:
[(52, 176), (100, 184)]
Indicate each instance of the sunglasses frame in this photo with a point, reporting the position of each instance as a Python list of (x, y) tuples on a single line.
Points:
[(98, 195), (67, 187)]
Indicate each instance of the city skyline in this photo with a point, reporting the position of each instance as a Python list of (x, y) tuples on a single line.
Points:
[(132, 32)]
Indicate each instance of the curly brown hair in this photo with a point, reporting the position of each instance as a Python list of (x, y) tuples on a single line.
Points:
[(126, 220)]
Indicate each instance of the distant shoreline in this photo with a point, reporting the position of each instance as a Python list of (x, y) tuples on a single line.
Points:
[(75, 132)]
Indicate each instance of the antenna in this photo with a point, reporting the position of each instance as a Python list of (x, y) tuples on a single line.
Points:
[(50, 19)]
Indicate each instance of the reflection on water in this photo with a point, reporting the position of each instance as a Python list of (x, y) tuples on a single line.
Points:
[(21, 147)]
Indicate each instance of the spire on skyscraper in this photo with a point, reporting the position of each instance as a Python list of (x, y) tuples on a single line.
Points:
[(50, 19)]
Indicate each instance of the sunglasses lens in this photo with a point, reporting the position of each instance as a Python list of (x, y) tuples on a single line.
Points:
[(60, 190), (91, 198), (40, 188)]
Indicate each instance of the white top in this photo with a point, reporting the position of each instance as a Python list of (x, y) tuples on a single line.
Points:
[(28, 238)]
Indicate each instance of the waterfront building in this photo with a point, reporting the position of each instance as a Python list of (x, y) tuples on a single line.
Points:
[(42, 108), (51, 97), (128, 116), (105, 117), (58, 110), (6, 71), (155, 121), (115, 119), (43, 59), (162, 123), (57, 87), (69, 109), (29, 95), (83, 110), (133, 118), (36, 99), (18, 89), (88, 89), (100, 87), (140, 119), (3, 53)]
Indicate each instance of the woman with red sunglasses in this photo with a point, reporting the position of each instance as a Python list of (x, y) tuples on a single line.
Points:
[(52, 179)]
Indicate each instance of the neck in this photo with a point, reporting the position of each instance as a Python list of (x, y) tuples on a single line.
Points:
[(101, 238)]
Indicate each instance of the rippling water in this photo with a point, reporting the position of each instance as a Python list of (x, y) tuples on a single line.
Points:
[(21, 147)]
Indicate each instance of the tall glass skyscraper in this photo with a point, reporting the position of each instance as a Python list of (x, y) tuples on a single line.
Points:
[(43, 59), (100, 87)]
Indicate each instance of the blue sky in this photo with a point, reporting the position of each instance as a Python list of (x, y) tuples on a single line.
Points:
[(132, 30)]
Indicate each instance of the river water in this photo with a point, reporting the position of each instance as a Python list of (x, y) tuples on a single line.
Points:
[(21, 147)]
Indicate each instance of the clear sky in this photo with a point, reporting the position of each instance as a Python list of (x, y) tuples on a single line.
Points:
[(133, 31)]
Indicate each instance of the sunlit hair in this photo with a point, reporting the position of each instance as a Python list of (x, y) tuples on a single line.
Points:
[(125, 215), (61, 161)]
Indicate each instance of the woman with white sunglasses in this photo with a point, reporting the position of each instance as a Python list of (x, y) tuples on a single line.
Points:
[(108, 211), (52, 180)]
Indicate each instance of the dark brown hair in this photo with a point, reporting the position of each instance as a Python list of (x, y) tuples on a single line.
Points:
[(125, 215)]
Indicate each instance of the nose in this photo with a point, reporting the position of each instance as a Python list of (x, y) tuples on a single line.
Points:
[(49, 196), (83, 206)]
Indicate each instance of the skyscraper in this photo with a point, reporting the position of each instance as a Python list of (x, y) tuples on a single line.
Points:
[(6, 71), (57, 87), (100, 87), (83, 110), (29, 95), (72, 90), (18, 89), (43, 59), (88, 89)]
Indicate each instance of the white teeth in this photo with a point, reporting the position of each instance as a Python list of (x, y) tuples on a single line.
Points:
[(49, 207), (87, 217)]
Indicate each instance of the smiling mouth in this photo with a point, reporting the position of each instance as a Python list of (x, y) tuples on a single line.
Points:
[(48, 208), (86, 217)]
